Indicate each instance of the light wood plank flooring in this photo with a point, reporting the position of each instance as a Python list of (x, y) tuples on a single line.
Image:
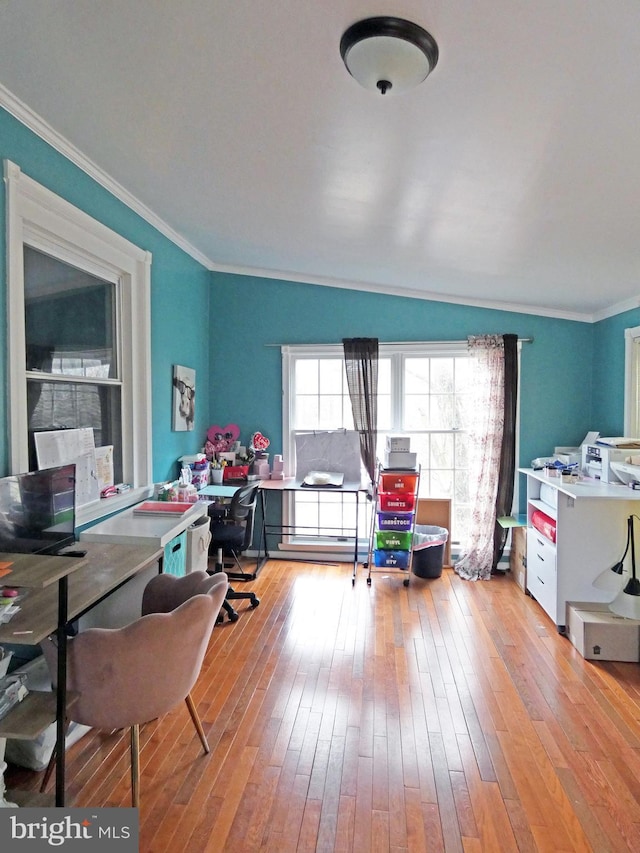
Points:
[(448, 715)]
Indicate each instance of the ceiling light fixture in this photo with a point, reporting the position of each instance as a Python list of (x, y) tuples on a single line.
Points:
[(388, 54)]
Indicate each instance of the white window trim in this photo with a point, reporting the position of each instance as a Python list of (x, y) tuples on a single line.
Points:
[(289, 352), (631, 370), (44, 220), (407, 349)]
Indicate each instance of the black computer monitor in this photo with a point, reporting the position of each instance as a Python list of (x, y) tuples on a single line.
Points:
[(37, 511)]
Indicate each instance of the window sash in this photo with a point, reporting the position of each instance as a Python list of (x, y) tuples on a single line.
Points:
[(394, 359), (39, 218)]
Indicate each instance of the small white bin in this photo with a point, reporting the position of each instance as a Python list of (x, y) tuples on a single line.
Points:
[(198, 539)]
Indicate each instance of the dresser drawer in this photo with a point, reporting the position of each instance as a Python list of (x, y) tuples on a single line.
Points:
[(541, 571)]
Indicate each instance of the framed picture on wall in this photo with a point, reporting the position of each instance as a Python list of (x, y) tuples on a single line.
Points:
[(184, 397)]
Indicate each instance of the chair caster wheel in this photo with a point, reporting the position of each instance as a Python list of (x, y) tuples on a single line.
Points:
[(368, 581), (405, 582), (255, 601), (219, 619), (233, 617)]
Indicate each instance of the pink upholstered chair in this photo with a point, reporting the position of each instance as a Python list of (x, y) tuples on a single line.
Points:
[(128, 676)]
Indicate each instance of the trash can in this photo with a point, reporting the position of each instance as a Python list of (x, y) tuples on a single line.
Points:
[(428, 550), (198, 538)]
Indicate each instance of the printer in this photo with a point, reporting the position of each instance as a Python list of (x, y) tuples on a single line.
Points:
[(597, 459)]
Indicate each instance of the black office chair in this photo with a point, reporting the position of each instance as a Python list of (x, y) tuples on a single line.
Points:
[(231, 534)]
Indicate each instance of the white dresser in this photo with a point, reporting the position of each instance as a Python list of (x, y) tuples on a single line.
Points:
[(591, 533)]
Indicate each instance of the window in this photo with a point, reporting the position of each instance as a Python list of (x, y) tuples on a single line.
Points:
[(632, 381), (79, 331), (422, 392), (72, 372)]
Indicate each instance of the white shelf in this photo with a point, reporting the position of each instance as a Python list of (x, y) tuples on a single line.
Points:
[(551, 511)]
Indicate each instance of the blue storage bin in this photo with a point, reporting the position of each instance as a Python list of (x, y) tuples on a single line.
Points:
[(391, 559), (175, 555), (395, 520)]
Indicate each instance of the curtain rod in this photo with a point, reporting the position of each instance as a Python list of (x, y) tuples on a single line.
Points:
[(391, 343)]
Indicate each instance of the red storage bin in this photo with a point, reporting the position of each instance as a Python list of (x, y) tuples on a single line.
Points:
[(235, 472), (397, 502), (544, 524), (398, 481)]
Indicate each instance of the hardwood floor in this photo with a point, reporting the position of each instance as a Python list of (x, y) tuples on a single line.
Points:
[(448, 715)]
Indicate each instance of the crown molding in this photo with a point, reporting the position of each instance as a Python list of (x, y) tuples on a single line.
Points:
[(618, 308), (390, 290)]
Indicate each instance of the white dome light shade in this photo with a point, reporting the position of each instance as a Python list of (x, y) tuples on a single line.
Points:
[(627, 602), (611, 580), (388, 55)]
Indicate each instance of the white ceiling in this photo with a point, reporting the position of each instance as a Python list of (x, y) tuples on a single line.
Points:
[(510, 177)]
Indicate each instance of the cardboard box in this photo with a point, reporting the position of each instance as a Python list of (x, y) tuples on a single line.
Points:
[(518, 556), (599, 634), (399, 459), (436, 511), (401, 443)]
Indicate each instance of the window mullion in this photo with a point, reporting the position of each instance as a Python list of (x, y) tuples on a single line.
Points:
[(397, 392)]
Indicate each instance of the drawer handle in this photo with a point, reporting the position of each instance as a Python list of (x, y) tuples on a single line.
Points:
[(540, 558), (176, 547), (540, 579)]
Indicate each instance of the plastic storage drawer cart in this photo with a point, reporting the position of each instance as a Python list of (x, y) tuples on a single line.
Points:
[(390, 543)]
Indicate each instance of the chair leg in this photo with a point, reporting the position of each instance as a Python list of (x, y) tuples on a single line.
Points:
[(196, 722), (135, 766), (232, 595), (51, 765), (48, 771), (230, 611)]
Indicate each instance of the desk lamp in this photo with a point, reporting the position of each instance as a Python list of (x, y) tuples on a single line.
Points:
[(627, 601), (611, 580)]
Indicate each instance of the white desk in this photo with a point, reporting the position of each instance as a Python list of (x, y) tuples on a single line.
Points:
[(130, 528), (591, 529)]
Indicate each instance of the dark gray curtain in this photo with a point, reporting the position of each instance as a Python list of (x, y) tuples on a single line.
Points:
[(504, 497), (361, 362)]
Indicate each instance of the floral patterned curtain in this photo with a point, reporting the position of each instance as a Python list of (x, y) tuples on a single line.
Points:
[(485, 447)]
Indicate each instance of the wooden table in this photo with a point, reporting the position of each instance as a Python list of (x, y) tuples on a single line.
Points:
[(45, 610)]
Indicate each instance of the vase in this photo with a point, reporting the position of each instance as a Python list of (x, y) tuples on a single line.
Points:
[(216, 475)]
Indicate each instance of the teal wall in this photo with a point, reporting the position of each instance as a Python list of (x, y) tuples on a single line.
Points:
[(246, 378), (180, 289), (608, 371)]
